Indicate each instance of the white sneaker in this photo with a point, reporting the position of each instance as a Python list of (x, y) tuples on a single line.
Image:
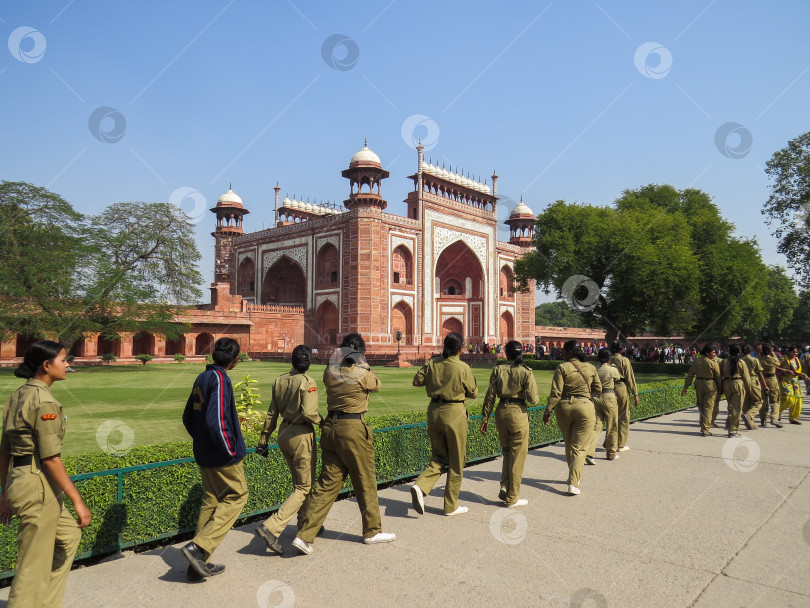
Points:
[(624, 449), (459, 511), (302, 545), (380, 537), (572, 490), (520, 502), (418, 499)]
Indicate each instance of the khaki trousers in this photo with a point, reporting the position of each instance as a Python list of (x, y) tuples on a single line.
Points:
[(706, 391), (771, 402), (447, 429), (47, 538), (735, 395), (225, 492), (623, 411), (347, 448), (512, 422), (576, 420), (297, 444), (752, 402), (607, 412)]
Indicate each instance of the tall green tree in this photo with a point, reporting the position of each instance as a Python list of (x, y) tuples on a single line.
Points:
[(127, 269), (787, 209), (663, 260), (557, 314)]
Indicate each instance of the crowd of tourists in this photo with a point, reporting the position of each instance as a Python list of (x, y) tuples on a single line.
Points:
[(757, 383)]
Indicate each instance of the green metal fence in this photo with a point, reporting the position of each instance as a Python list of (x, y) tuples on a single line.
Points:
[(138, 505)]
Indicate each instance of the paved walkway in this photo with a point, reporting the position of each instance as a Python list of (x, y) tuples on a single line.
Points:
[(679, 520)]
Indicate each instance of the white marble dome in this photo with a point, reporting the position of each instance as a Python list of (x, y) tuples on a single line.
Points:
[(365, 156), (230, 197), (521, 209)]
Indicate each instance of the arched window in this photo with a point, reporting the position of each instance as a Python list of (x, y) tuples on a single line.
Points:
[(506, 283), (246, 275), (284, 283), (327, 265), (402, 266)]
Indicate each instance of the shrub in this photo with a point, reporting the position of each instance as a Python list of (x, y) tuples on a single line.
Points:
[(209, 358), (247, 399), (244, 357), (639, 367), (144, 358), (71, 358), (108, 358), (179, 357)]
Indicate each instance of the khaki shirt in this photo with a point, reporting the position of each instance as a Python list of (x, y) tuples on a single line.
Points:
[(769, 364), (704, 368), (622, 363), (608, 375), (742, 372), (754, 368), (569, 383), (450, 379), (295, 400), (510, 381), (348, 387), (33, 422)]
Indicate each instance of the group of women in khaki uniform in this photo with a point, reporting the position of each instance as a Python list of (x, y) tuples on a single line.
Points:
[(755, 386)]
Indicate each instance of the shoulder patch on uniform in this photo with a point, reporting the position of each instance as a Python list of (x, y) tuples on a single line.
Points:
[(312, 389), (49, 416)]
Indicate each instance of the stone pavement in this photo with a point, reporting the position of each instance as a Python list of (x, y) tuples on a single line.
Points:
[(679, 520)]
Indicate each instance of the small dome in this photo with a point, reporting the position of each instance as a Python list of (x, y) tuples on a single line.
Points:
[(307, 207), (431, 169), (286, 202), (230, 197), (521, 209), (445, 174), (294, 204), (365, 156), (423, 166)]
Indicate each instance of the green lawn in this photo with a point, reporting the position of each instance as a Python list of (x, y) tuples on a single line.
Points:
[(150, 399)]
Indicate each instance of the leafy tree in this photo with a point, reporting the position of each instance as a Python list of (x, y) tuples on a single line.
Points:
[(557, 314), (661, 259), (798, 330), (64, 274), (787, 210)]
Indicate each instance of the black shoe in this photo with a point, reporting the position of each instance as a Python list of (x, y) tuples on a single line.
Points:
[(763, 423), (589, 460), (795, 422), (213, 569), (195, 557), (502, 493), (778, 424), (321, 531), (705, 433), (735, 435), (272, 541)]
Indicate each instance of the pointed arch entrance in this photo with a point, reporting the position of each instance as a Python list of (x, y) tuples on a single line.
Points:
[(507, 327), (326, 318), (402, 320), (284, 284), (452, 325), (460, 283)]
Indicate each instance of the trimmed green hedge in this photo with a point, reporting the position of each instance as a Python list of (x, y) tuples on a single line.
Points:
[(154, 493)]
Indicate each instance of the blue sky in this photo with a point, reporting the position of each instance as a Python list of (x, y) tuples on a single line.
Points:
[(567, 100)]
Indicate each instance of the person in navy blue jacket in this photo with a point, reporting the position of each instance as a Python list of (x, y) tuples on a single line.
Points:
[(210, 418)]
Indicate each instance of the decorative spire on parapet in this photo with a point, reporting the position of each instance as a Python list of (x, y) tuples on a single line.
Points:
[(275, 219), (366, 173), (229, 212), (521, 224)]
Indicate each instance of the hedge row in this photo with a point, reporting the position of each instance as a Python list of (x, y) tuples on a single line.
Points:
[(137, 502)]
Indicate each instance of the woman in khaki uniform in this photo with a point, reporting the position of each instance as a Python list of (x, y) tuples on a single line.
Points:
[(607, 409), (753, 400), (449, 382), (770, 365), (571, 390), (736, 384), (295, 401), (514, 385), (347, 447), (707, 386), (33, 430)]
